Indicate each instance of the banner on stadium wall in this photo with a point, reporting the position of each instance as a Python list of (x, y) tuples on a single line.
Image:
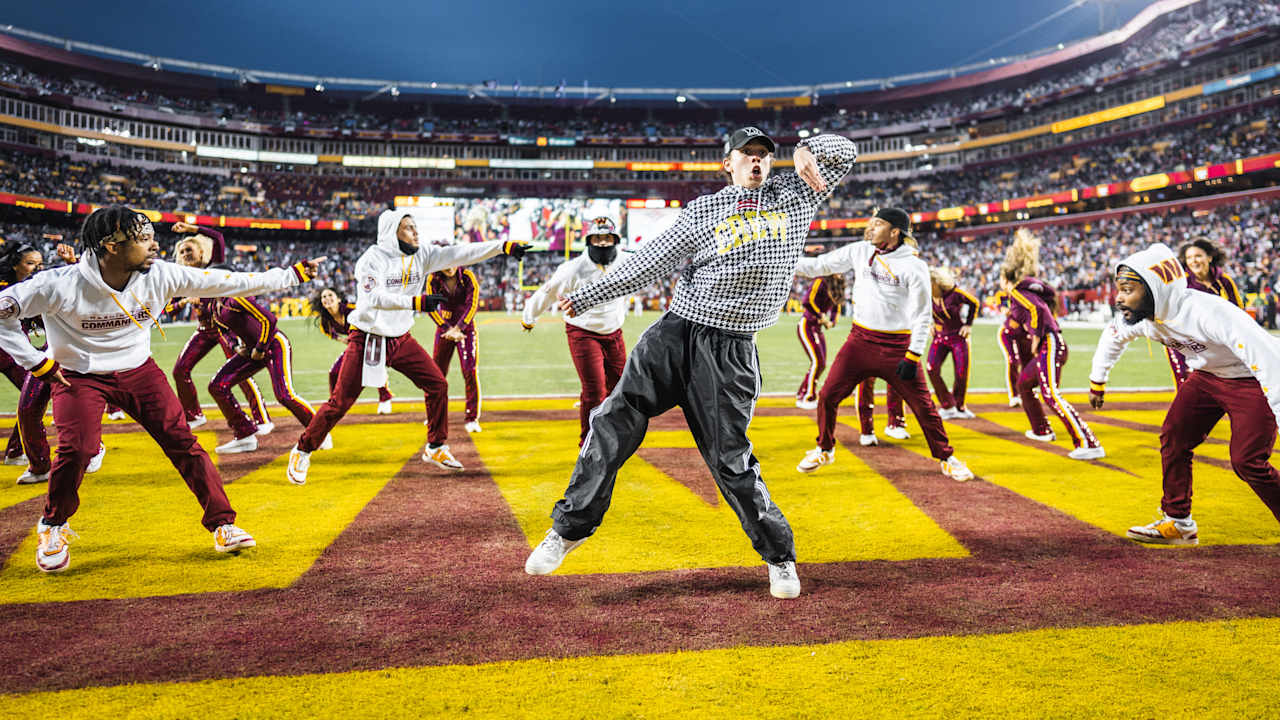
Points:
[(1248, 78), (1108, 115), (779, 102)]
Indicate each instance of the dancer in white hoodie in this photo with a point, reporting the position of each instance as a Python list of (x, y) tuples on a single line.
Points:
[(1235, 370), (389, 283), (98, 318)]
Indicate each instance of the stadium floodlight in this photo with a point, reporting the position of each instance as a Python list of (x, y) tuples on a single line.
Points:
[(612, 98), (681, 99), (320, 86), (395, 91)]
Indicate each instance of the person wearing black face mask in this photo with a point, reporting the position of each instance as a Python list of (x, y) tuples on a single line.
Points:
[(595, 337)]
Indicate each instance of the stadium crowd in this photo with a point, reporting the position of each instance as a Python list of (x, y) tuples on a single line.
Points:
[(1184, 32)]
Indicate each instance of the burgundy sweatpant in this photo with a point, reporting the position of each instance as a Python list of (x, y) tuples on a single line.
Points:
[(279, 365), (384, 393), (199, 345), (468, 361), (1044, 373), (814, 342), (871, 354), (1199, 405), (144, 394), (599, 360), (958, 348), (867, 407), (404, 355)]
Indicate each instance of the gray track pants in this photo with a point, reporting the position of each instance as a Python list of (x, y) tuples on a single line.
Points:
[(714, 377)]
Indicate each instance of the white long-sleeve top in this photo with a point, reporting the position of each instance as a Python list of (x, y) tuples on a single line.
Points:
[(387, 280), (579, 272), (891, 291), (92, 328), (1214, 335)]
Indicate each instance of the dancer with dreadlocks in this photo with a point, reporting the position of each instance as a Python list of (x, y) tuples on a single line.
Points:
[(98, 315)]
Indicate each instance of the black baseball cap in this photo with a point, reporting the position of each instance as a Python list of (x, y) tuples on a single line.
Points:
[(742, 136), (897, 217)]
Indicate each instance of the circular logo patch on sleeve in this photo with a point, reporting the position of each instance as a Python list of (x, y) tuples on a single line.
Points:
[(8, 307)]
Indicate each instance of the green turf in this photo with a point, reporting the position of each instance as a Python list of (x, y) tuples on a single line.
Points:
[(515, 363)]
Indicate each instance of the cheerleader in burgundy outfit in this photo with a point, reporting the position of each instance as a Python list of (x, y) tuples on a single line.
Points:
[(1203, 261), (205, 247), (18, 261), (259, 345), (331, 313), (1015, 348), (954, 310), (1031, 315), (821, 309), (456, 330)]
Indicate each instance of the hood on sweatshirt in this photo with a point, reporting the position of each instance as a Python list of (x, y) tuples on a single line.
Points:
[(1164, 275), (388, 224)]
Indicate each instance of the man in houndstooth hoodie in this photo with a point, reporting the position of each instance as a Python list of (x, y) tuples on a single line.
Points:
[(742, 245)]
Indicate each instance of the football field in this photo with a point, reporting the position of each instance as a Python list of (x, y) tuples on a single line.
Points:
[(387, 588)]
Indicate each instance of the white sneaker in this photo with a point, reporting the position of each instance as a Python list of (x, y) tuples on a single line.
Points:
[(550, 553), (815, 459), (868, 440), (1166, 531), (964, 414), (95, 462), (784, 583), (117, 415), (30, 478), (947, 413), (442, 458), (953, 468), (19, 460), (897, 432), (472, 427), (299, 464), (1047, 437), (248, 443), (327, 443), (197, 421), (807, 404), (53, 555), (229, 538), (264, 428), (1087, 453), (384, 407)]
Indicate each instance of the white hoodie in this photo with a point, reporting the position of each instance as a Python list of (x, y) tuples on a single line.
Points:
[(573, 274), (1213, 335), (92, 328), (387, 280), (891, 291)]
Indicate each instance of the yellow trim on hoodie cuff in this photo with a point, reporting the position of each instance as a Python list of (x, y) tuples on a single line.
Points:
[(300, 270), (1096, 386), (44, 368), (913, 357)]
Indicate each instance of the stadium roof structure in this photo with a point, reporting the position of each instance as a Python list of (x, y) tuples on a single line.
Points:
[(888, 89)]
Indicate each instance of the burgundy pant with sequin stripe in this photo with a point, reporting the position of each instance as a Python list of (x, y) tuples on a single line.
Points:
[(867, 407), (814, 342), (404, 355), (871, 354), (467, 362), (958, 348), (199, 345), (279, 365), (144, 394), (1200, 403), (1177, 366), (599, 360), (1044, 373)]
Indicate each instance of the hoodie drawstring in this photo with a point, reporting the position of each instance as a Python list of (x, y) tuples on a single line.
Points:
[(145, 309)]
